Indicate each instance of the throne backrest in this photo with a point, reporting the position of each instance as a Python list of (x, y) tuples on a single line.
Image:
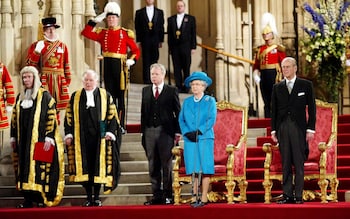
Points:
[(326, 127), (230, 126)]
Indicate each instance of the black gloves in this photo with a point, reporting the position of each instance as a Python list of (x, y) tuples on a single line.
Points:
[(193, 136)]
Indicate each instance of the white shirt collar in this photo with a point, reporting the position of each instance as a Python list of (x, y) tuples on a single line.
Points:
[(160, 87), (90, 100), (292, 80)]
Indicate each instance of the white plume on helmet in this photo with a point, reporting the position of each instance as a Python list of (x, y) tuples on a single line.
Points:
[(112, 8), (268, 24)]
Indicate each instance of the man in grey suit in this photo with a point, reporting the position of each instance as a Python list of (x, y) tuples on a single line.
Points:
[(292, 128), (160, 129), (149, 26)]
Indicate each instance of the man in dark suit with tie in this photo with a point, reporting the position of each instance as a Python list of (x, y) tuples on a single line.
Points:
[(182, 43), (149, 26), (292, 128), (160, 129)]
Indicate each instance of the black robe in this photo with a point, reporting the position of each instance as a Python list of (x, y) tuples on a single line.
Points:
[(91, 158), (29, 126)]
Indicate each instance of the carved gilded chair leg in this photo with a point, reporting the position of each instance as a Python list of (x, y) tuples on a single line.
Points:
[(177, 192), (267, 186), (334, 187), (230, 186), (323, 184), (243, 185)]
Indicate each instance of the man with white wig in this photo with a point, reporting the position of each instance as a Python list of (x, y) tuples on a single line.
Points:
[(34, 120), (90, 135)]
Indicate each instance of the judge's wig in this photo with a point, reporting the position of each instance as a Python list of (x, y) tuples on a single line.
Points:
[(36, 83)]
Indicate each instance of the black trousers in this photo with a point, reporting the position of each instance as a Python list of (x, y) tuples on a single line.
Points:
[(150, 55), (112, 70), (181, 57), (292, 142), (158, 145), (268, 78)]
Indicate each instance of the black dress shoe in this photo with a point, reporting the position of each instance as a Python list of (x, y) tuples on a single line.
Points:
[(285, 200), (299, 201), (40, 205), (98, 203), (154, 202), (168, 201), (87, 204), (122, 130), (25, 205)]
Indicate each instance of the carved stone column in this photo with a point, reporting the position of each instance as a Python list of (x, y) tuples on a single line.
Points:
[(92, 49), (288, 35), (219, 63), (238, 91), (7, 35), (7, 57), (76, 49), (56, 10), (27, 28), (259, 8)]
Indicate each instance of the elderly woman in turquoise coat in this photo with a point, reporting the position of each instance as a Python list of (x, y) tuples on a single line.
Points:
[(197, 118)]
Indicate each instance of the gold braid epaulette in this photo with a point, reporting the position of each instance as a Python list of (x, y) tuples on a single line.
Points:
[(281, 48), (131, 33)]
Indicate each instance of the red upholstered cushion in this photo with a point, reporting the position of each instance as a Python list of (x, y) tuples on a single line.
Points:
[(227, 129), (276, 164), (323, 131)]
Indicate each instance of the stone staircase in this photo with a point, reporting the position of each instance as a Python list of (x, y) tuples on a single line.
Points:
[(134, 187)]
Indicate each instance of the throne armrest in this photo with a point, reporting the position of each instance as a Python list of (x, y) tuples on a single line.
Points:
[(267, 148), (178, 153), (323, 147)]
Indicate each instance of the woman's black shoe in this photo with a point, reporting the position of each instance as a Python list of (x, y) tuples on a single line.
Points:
[(98, 203), (87, 204), (198, 203)]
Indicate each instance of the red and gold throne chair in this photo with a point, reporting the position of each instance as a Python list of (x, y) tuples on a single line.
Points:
[(321, 165), (230, 152)]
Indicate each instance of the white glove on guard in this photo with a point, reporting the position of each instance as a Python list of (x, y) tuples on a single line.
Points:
[(256, 77), (39, 46), (100, 17), (129, 62)]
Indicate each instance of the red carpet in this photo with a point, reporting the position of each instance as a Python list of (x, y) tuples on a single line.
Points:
[(256, 157), (241, 211)]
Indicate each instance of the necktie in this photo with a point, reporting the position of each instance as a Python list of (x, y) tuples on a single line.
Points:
[(156, 95), (290, 86)]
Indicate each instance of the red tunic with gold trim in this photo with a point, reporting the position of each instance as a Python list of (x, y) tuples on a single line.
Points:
[(114, 41), (7, 95), (269, 57), (53, 64), (114, 44)]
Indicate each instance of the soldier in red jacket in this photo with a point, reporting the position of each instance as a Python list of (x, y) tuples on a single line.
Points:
[(114, 41), (267, 69)]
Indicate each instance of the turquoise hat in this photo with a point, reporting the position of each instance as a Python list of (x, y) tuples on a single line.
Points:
[(198, 75)]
